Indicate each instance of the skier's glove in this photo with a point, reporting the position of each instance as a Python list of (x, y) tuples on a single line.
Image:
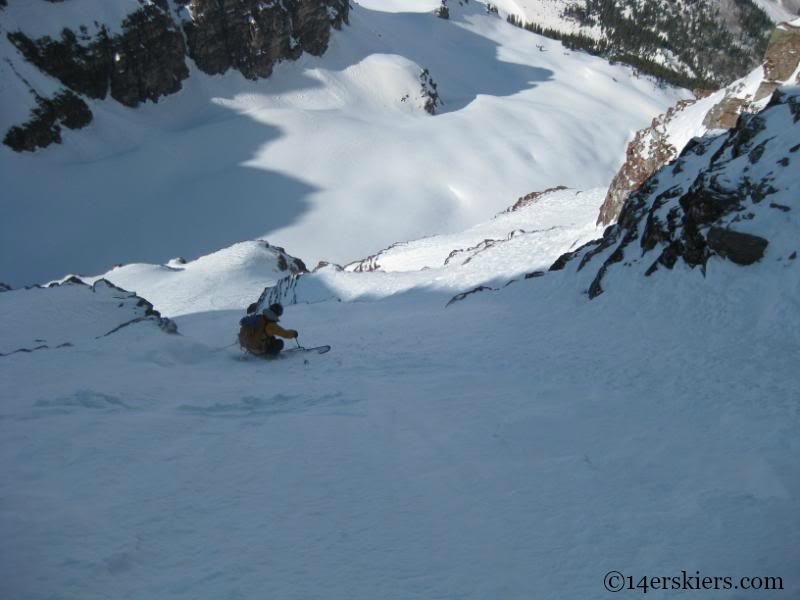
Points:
[(292, 333)]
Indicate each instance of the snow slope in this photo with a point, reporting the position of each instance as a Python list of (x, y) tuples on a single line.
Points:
[(227, 279), (509, 245), (515, 445), (218, 162), (513, 244), (780, 10), (63, 315)]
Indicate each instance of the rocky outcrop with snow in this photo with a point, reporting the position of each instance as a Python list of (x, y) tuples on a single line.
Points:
[(730, 196), (223, 280), (660, 143), (252, 35), (71, 312), (140, 53), (539, 225)]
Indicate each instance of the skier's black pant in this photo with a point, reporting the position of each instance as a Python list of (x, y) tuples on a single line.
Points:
[(273, 346)]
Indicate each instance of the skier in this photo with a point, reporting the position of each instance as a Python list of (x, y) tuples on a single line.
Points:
[(258, 333)]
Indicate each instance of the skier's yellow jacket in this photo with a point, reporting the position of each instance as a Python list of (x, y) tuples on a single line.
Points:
[(272, 329), (257, 339)]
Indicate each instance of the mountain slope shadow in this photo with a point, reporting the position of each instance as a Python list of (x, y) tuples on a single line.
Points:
[(189, 190), (185, 193)]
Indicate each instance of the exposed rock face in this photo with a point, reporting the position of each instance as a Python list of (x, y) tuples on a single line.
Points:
[(252, 35), (655, 146), (44, 126), (781, 58), (741, 248), (650, 149), (731, 196), (285, 261), (465, 255), (725, 113), (531, 198), (783, 52), (146, 60), (372, 262), (429, 93)]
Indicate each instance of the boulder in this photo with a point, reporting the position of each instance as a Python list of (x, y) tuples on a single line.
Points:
[(741, 248)]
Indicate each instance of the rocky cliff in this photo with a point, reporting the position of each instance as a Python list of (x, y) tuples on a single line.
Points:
[(731, 196), (668, 133), (144, 56)]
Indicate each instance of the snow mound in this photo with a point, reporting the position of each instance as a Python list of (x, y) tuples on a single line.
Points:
[(69, 313), (225, 280)]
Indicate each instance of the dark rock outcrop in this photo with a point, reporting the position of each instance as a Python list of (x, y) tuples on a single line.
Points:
[(144, 62), (463, 295), (44, 126), (695, 209), (147, 59), (285, 261), (465, 255), (741, 248), (528, 199), (429, 92), (251, 36)]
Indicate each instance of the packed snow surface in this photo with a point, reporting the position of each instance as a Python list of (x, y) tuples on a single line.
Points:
[(333, 157), (517, 444), (514, 445)]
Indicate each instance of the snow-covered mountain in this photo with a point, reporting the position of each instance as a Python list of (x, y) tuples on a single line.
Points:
[(217, 162), (135, 51), (690, 43), (512, 444), (517, 402), (655, 146)]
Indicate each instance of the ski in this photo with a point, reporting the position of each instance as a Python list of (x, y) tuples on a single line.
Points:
[(301, 349)]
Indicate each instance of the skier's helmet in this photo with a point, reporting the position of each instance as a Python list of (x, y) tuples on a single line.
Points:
[(276, 308)]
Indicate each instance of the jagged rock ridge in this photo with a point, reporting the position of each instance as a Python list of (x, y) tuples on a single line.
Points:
[(731, 195), (147, 58)]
